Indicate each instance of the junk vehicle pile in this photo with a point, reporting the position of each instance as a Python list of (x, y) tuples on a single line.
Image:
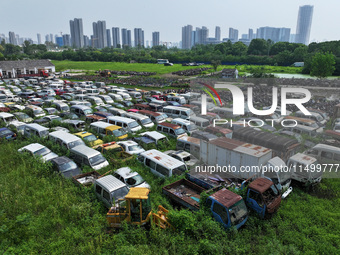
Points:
[(107, 129)]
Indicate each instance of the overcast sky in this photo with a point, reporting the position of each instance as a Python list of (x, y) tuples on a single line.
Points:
[(29, 17)]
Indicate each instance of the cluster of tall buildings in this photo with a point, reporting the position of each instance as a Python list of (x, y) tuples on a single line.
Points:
[(103, 37), (118, 38), (192, 37)]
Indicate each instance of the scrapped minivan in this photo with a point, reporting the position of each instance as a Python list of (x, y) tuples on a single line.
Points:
[(61, 106), (127, 123), (116, 111), (325, 154), (115, 97), (161, 164), (189, 144), (34, 111), (187, 125), (292, 120), (200, 122), (170, 129), (154, 116), (109, 190), (178, 112), (178, 99), (81, 110), (84, 155), (104, 128), (34, 129), (65, 139), (141, 119)]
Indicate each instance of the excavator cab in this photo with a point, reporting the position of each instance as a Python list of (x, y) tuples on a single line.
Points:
[(135, 209)]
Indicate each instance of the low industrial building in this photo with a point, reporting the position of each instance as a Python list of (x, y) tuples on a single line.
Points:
[(11, 69)]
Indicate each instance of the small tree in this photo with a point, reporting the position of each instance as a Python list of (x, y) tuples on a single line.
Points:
[(323, 65), (215, 64)]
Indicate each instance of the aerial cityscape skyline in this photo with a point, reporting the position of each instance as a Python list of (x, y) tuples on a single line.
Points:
[(230, 32)]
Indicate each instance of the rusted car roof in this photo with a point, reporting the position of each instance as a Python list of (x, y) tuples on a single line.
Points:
[(226, 197), (265, 139), (261, 184)]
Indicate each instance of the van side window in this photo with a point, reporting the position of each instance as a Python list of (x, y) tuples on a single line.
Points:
[(159, 128), (172, 132), (150, 163), (162, 170), (98, 189), (125, 125), (166, 130), (327, 155), (106, 195), (176, 112)]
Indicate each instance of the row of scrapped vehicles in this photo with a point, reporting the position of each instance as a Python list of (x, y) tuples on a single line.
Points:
[(177, 116)]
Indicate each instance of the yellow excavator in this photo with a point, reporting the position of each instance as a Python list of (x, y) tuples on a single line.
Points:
[(135, 209)]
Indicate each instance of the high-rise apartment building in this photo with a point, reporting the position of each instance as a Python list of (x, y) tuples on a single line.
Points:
[(155, 38), (233, 34), (139, 37), (273, 33), (186, 37), (116, 37), (304, 24), (218, 33), (126, 38), (67, 40), (108, 37), (12, 38), (251, 34), (39, 38), (99, 34), (77, 36)]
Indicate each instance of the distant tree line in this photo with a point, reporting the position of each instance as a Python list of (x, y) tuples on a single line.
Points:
[(259, 52)]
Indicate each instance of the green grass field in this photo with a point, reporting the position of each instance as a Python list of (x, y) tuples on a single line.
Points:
[(119, 66), (40, 212), (159, 69)]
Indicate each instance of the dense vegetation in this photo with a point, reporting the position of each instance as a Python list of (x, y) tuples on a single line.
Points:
[(260, 52), (41, 212)]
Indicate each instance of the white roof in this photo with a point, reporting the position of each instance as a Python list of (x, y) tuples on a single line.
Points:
[(126, 172), (36, 126), (128, 142), (303, 159), (100, 124), (154, 134), (33, 147), (6, 115), (162, 159), (64, 136), (122, 119), (327, 147), (110, 182)]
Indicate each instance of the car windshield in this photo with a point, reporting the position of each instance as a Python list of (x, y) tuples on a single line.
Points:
[(134, 181), (192, 127), (88, 111), (5, 132), (160, 118), (146, 121), (133, 124), (135, 148), (76, 143), (90, 138), (187, 158), (42, 151), (179, 131), (67, 166), (119, 132), (237, 212), (56, 119), (179, 170), (96, 160), (37, 112), (119, 193)]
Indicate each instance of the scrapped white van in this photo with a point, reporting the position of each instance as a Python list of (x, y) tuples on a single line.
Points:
[(140, 118), (127, 123), (65, 139), (161, 164), (325, 154), (178, 112), (84, 155)]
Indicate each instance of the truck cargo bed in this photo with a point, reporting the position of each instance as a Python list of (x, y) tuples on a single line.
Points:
[(185, 193), (86, 179)]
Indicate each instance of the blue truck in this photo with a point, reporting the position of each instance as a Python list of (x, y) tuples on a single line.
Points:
[(262, 195), (227, 207)]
